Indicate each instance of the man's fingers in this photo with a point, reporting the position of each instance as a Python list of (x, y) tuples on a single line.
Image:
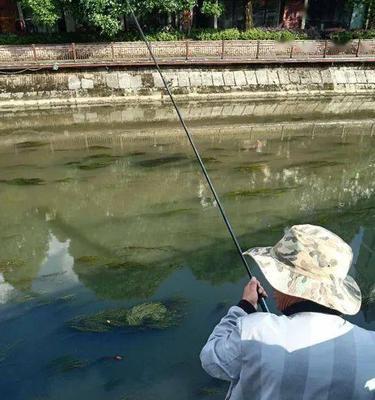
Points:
[(261, 291)]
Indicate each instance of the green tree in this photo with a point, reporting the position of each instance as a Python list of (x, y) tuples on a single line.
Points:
[(213, 9)]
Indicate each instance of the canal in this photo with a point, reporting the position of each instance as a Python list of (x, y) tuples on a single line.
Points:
[(114, 262)]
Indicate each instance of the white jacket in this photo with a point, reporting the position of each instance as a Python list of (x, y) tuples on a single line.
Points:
[(307, 355)]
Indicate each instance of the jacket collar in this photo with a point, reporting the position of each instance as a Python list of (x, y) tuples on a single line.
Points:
[(309, 306)]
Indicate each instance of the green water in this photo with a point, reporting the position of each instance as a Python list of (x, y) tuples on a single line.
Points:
[(96, 218)]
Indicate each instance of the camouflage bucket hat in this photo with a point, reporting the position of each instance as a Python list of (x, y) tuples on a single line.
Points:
[(312, 263)]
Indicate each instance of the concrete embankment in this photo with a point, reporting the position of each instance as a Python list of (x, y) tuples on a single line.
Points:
[(57, 88)]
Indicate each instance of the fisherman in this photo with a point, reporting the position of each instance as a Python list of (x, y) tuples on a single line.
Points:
[(310, 352)]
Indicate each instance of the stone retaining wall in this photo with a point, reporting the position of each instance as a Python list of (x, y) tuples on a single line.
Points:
[(103, 86)]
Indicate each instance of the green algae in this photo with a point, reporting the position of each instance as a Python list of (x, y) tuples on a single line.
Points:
[(23, 181), (66, 364), (266, 192), (209, 160), (87, 259), (157, 162), (30, 144), (94, 161), (64, 180), (172, 212), (250, 167), (153, 315), (103, 321), (98, 147), (315, 164)]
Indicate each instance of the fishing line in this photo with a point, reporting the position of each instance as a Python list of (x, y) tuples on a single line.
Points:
[(262, 301)]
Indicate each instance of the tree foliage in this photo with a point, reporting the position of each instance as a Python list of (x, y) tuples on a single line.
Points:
[(212, 8), (103, 15)]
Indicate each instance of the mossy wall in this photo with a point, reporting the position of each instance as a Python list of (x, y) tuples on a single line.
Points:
[(121, 85)]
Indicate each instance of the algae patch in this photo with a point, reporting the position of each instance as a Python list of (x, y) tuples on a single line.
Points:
[(66, 364), (157, 162), (94, 161), (267, 192), (23, 181), (152, 315)]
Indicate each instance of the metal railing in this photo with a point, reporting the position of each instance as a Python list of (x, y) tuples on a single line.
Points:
[(177, 52)]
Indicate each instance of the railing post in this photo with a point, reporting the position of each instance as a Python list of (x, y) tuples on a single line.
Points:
[(357, 52), (222, 49), (113, 52), (291, 51), (186, 49), (74, 51), (258, 45), (34, 52), (325, 48)]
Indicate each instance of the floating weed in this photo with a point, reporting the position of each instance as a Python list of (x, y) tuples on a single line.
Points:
[(64, 180), (173, 212), (137, 153), (150, 248), (250, 167), (94, 165), (152, 315), (210, 160), (93, 161), (23, 181), (143, 316), (266, 192), (316, 164), (101, 322), (102, 156), (87, 259), (66, 364), (97, 147), (30, 144), (217, 149), (156, 162)]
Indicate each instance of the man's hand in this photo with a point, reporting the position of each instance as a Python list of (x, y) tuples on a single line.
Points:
[(253, 291)]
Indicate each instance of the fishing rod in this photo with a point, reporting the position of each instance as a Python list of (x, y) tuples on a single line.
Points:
[(262, 301)]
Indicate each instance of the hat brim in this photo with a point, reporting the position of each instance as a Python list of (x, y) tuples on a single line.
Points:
[(343, 295)]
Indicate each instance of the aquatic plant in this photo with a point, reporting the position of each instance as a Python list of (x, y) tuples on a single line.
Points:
[(149, 315), (99, 147), (209, 160), (23, 181), (94, 161), (143, 316), (30, 144), (103, 321), (87, 259), (65, 364), (156, 162), (316, 164), (260, 192), (250, 167)]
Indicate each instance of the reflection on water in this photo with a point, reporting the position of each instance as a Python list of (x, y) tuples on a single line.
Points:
[(88, 227)]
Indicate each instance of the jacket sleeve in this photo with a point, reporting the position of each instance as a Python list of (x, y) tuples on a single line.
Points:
[(221, 355)]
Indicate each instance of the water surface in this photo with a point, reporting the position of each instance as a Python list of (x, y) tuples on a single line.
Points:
[(95, 218)]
